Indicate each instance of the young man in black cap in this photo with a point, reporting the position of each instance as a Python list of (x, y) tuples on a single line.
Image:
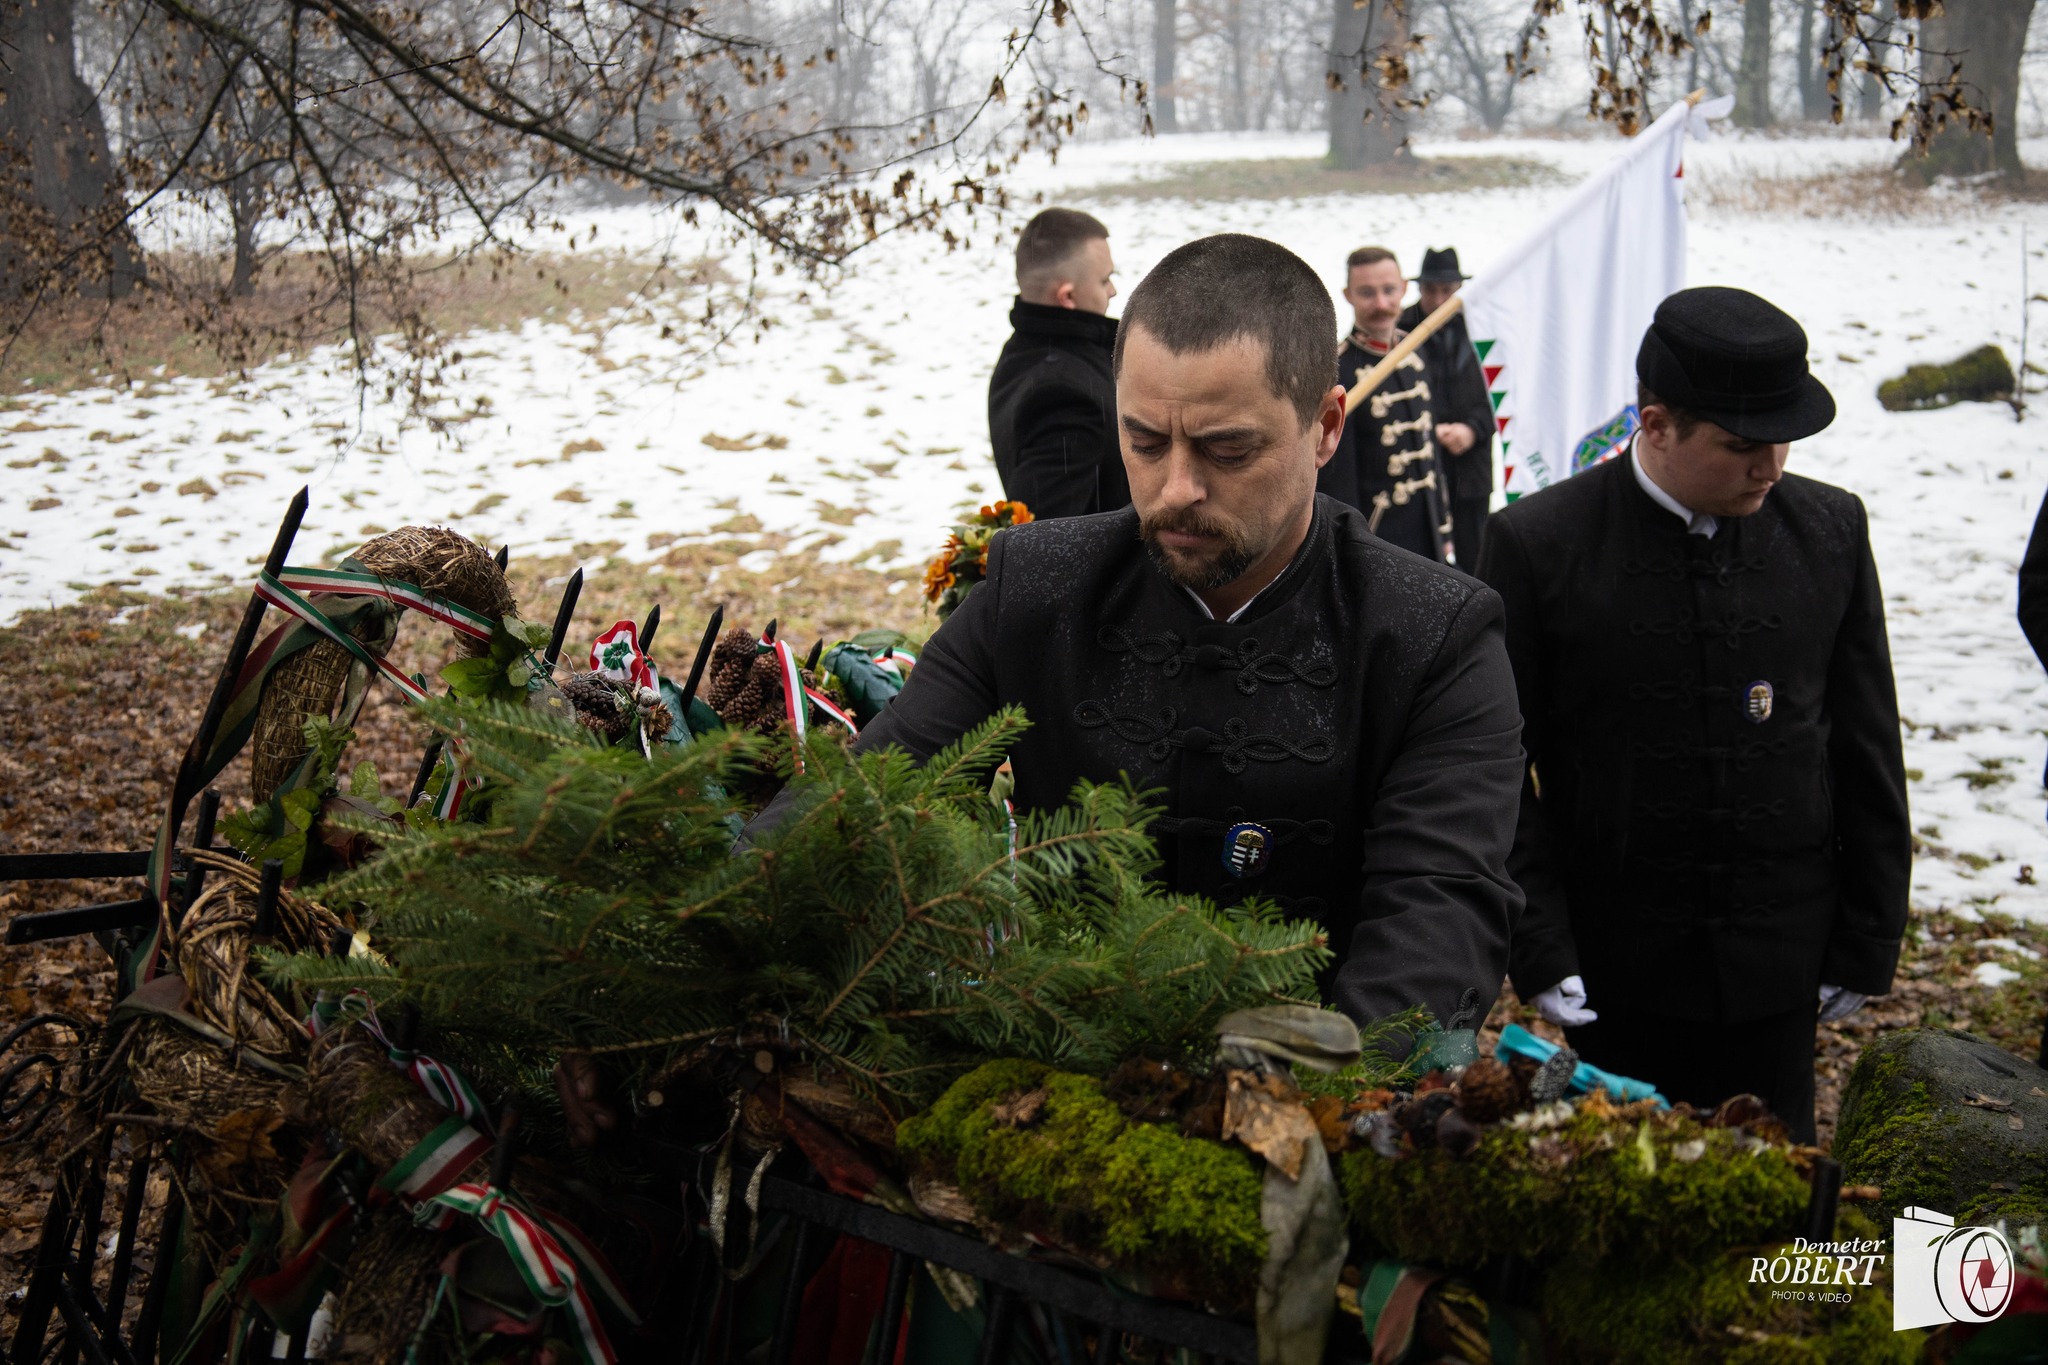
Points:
[(1714, 845), (1464, 436), (1052, 398)]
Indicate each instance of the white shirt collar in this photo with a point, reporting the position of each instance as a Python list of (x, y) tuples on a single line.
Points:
[(1234, 615), (1696, 523)]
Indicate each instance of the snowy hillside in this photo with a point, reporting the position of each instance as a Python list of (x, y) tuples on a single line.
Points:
[(858, 424)]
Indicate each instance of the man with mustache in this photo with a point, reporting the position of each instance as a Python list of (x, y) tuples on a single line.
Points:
[(1716, 849), (1330, 723), (1387, 464)]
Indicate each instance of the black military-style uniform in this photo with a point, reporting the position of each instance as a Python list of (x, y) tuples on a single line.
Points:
[(1386, 462), (1348, 747), (1052, 412), (1718, 821), (1460, 394)]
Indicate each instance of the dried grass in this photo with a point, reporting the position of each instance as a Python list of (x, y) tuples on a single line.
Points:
[(1870, 194)]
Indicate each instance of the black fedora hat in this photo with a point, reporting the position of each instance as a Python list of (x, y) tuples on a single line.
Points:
[(1440, 267), (1735, 360)]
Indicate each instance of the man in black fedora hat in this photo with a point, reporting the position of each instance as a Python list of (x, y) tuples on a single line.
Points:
[(1714, 843), (1465, 435)]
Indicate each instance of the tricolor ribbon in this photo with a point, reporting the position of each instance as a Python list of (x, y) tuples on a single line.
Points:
[(830, 708), (557, 1264), (442, 1083), (793, 691), (353, 584)]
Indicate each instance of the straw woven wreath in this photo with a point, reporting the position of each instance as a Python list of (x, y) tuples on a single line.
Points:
[(431, 558)]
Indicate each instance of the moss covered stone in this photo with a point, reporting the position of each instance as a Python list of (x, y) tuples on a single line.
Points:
[(1080, 1172), (1707, 1311), (1659, 1187), (1984, 375), (1927, 1116)]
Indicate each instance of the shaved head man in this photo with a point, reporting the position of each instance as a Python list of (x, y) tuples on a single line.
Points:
[(1052, 398)]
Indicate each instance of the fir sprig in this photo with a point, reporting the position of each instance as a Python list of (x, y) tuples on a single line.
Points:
[(889, 928)]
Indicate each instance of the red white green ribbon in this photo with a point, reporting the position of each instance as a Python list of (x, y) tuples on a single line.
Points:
[(559, 1267), (442, 1083), (831, 708), (471, 623), (435, 1162), (793, 707), (796, 692)]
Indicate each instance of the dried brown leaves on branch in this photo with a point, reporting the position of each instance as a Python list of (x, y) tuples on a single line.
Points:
[(1627, 43), (372, 136)]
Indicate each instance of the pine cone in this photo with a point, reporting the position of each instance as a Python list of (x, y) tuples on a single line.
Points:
[(732, 663), (1489, 1092), (597, 704), (658, 719)]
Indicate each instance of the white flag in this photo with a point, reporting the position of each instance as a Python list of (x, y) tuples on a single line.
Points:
[(1557, 321)]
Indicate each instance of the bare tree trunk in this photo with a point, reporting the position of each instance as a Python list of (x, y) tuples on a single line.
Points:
[(1165, 42), (1239, 111), (1870, 102), (1813, 77), (243, 207), (1365, 127), (60, 207), (1987, 38), (1753, 75)]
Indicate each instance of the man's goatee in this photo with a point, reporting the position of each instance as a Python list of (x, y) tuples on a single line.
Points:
[(1225, 568)]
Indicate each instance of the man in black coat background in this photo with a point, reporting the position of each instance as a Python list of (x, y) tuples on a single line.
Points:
[(1387, 464), (1330, 722), (1052, 398), (1464, 435), (1715, 838)]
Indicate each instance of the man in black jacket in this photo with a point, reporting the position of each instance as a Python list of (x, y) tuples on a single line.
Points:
[(1052, 398), (1464, 436), (1387, 463), (1330, 722), (1715, 837)]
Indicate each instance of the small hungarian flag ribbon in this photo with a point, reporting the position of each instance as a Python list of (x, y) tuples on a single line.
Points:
[(616, 655), (435, 1162), (559, 1267), (442, 1083), (792, 693), (831, 708)]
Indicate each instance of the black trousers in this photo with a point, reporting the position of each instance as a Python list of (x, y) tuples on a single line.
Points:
[(1703, 1064)]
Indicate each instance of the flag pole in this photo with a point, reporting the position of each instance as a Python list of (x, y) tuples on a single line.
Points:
[(1428, 327)]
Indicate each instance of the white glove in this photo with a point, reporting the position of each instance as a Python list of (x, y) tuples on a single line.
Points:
[(1565, 1003), (1839, 1003)]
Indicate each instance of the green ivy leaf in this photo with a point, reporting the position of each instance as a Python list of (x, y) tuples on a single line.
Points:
[(472, 679), (362, 781)]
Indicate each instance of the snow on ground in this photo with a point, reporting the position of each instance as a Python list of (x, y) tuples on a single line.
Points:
[(861, 426)]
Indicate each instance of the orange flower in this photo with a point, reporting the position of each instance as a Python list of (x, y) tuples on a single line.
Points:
[(1019, 513), (938, 576)]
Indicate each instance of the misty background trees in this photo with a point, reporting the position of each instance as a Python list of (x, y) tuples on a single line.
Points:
[(199, 148)]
